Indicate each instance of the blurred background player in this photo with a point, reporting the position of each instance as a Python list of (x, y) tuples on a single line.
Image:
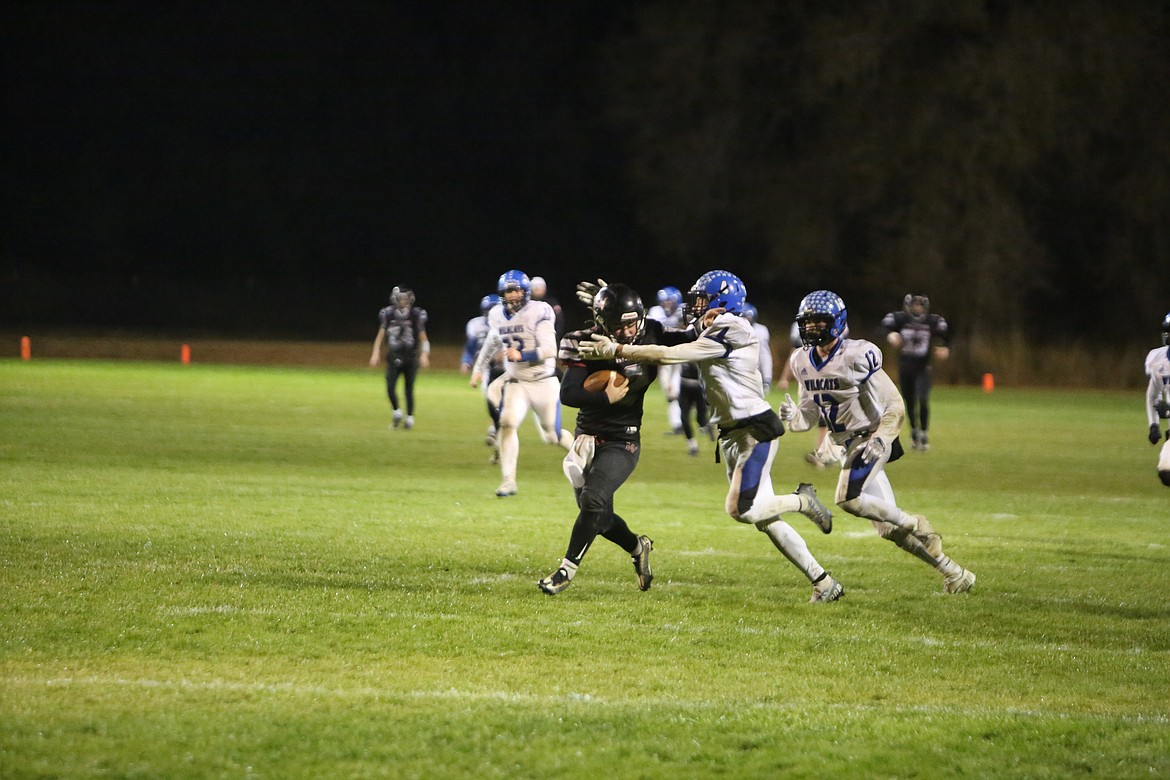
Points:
[(691, 399), (403, 328), (913, 330), (524, 330), (842, 380), (608, 439), (726, 352), (477, 331), (753, 316), (669, 312), (1158, 398), (540, 293)]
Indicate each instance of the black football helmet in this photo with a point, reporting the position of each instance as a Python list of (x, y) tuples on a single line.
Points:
[(615, 308), (1166, 329), (914, 299)]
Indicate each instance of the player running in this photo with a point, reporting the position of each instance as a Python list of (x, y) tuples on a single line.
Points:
[(609, 422), (1158, 398), (842, 381), (726, 351), (524, 329)]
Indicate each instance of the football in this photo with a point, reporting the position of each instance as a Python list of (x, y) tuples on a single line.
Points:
[(596, 382)]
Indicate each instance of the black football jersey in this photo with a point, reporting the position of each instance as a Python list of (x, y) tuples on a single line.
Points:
[(596, 416)]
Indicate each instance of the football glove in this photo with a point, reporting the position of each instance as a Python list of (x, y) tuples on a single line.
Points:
[(614, 392), (601, 347), (1155, 434), (871, 450), (788, 409), (587, 290)]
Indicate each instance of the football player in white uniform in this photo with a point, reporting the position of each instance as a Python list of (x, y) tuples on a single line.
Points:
[(726, 351), (841, 380), (525, 329), (1158, 398), (669, 311)]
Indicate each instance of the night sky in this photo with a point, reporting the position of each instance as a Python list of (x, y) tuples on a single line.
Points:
[(277, 168)]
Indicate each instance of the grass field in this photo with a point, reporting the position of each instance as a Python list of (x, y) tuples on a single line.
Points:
[(214, 571)]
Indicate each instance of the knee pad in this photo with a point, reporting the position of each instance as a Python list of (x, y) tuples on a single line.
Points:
[(853, 507), (592, 501)]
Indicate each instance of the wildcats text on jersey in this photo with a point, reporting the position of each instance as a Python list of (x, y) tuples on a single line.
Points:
[(825, 383)]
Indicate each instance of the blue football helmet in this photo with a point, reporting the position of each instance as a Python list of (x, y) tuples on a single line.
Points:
[(748, 312), (672, 296), (1166, 329), (514, 280), (487, 302), (821, 306), (716, 290)]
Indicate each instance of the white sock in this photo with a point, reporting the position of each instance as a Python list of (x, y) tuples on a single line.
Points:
[(792, 545)]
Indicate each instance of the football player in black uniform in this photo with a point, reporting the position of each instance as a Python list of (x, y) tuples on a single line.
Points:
[(608, 436), (912, 331), (403, 327)]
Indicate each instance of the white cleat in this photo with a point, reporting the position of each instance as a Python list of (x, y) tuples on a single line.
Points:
[(506, 489), (827, 589), (959, 583)]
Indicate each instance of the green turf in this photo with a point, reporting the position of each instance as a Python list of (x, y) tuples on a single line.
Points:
[(240, 572)]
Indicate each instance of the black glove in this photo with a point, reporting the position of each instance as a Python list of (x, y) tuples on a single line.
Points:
[(1155, 434)]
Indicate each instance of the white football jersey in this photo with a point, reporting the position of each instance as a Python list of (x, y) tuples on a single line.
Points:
[(673, 320), (731, 379), (839, 387), (532, 331), (1158, 370)]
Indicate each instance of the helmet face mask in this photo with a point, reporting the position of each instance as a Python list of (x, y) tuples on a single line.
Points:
[(821, 318), (917, 306), (619, 313), (1166, 330), (515, 289)]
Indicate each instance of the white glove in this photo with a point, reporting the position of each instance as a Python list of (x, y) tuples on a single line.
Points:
[(587, 290), (788, 409), (602, 347), (871, 450), (615, 393)]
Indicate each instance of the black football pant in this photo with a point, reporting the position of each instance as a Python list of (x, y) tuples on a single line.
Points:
[(613, 463), (408, 369)]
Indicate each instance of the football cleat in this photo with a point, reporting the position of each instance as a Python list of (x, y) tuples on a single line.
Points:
[(959, 583), (397, 418), (931, 539), (409, 422), (828, 589), (692, 447), (642, 563), (555, 582), (507, 488), (816, 511)]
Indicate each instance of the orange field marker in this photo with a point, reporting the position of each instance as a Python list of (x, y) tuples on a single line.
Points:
[(988, 383), (25, 348), (185, 354)]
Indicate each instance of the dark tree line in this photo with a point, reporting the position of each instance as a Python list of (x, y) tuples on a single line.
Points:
[(1012, 159)]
